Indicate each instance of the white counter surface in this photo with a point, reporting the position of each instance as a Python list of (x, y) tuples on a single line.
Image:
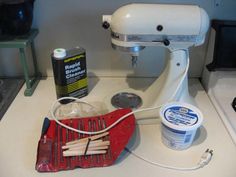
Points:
[(20, 130)]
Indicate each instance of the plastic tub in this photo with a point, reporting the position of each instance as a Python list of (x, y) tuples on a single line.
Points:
[(180, 122)]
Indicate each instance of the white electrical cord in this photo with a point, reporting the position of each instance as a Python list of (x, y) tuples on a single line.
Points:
[(205, 158), (54, 108)]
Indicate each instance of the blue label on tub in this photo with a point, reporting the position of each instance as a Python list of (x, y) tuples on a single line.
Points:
[(179, 115)]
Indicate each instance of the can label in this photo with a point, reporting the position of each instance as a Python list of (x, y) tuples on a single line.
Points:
[(70, 74)]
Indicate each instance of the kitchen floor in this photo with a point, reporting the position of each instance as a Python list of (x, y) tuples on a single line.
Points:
[(20, 130)]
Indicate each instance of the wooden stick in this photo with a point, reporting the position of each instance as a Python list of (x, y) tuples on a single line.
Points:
[(81, 144), (79, 153), (96, 143), (98, 148), (86, 139), (89, 148)]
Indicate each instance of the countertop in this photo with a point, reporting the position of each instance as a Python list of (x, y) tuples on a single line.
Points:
[(20, 130)]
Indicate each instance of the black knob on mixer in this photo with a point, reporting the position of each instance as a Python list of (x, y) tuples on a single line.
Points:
[(159, 28), (234, 104), (105, 25), (166, 42)]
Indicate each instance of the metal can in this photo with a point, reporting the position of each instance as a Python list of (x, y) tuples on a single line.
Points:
[(70, 73)]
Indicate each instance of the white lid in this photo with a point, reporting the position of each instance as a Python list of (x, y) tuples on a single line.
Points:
[(181, 116), (59, 53)]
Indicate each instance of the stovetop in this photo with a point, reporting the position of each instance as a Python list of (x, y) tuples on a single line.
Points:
[(222, 94)]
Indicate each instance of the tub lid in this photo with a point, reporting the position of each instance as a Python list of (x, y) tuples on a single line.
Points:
[(181, 116)]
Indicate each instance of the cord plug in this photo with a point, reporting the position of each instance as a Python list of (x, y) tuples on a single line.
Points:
[(206, 158)]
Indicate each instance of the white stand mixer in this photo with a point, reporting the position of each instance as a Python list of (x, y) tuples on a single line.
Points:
[(176, 27)]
